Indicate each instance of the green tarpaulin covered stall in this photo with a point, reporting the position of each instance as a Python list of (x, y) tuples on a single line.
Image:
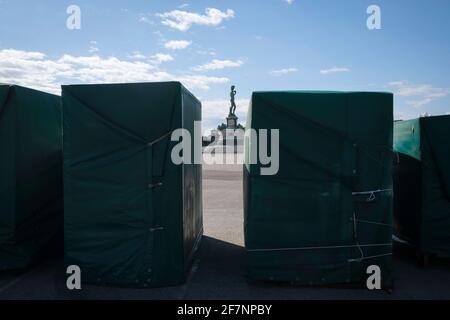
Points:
[(422, 184), (30, 176), (327, 214), (132, 217)]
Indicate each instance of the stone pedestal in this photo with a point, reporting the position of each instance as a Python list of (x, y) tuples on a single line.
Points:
[(229, 140), (232, 122)]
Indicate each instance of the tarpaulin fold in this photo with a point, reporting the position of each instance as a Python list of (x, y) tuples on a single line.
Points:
[(422, 183), (132, 217), (327, 214), (30, 176)]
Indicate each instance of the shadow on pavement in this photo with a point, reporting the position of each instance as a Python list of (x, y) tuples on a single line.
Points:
[(219, 273)]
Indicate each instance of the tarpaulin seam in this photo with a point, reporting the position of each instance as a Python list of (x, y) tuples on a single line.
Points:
[(105, 154), (362, 148), (305, 119), (147, 266), (294, 115), (354, 142), (355, 168), (109, 123), (321, 126), (326, 128), (171, 126), (156, 221), (312, 163), (325, 169)]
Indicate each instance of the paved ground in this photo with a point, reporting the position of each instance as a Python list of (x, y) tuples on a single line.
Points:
[(219, 272)]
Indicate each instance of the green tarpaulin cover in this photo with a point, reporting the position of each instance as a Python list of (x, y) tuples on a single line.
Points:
[(132, 217), (327, 214), (30, 176), (422, 183)]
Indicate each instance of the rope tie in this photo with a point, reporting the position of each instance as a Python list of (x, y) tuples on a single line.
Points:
[(372, 194)]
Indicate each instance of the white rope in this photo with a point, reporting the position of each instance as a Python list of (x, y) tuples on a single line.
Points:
[(372, 222), (371, 257), (318, 248), (372, 193), (356, 235), (160, 138)]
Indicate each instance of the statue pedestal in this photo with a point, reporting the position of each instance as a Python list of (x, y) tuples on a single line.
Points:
[(230, 141), (232, 122)]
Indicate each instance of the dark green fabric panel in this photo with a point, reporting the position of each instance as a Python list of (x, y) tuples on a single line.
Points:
[(304, 224), (422, 187), (408, 181), (436, 132), (435, 222), (435, 145), (372, 139), (7, 167), (408, 198), (33, 135), (123, 195), (282, 110)]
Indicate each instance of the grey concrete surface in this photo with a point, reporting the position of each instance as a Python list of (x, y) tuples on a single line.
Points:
[(219, 270)]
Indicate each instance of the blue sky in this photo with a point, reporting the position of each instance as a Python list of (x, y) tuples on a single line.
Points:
[(256, 45)]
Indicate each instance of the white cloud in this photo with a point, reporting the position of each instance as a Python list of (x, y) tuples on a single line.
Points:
[(334, 70), (424, 93), (160, 58), (282, 72), (93, 48), (407, 89), (158, 33), (177, 44), (145, 19), (17, 55), (207, 52), (136, 55), (184, 20), (219, 64), (290, 1), (36, 70), (97, 69), (30, 69), (419, 103), (200, 81), (184, 5)]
